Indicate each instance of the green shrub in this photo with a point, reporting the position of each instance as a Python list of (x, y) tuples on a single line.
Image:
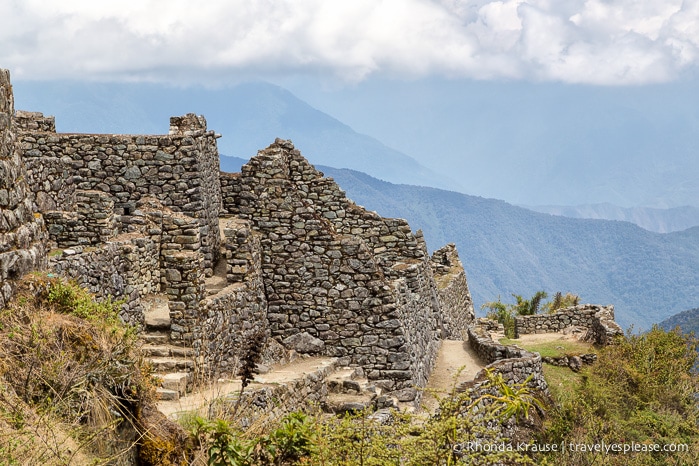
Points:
[(70, 298), (641, 390)]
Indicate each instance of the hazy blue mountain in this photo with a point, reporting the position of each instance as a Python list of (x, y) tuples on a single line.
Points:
[(688, 321), (231, 164), (657, 220), (536, 143), (249, 116), (507, 249)]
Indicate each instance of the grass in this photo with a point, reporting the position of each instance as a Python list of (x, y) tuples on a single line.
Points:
[(562, 381)]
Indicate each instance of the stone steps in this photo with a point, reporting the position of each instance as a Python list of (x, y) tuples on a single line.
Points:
[(155, 338), (165, 351), (169, 364), (174, 365), (350, 392)]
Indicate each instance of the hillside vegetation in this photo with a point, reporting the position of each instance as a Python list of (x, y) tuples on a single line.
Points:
[(73, 386), (687, 320), (640, 394)]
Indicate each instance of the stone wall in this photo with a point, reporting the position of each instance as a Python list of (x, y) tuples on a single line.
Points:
[(22, 231), (360, 283), (179, 169), (270, 403), (452, 290), (598, 320), (299, 257), (233, 314), (125, 269), (514, 363), (93, 222), (604, 329)]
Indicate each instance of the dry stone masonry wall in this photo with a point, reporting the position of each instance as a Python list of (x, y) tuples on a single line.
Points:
[(360, 284), (515, 364), (597, 320), (22, 232), (452, 288), (179, 169)]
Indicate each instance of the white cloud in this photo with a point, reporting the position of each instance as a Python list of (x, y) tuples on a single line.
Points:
[(593, 41)]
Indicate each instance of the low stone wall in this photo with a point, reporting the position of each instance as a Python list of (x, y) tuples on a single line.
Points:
[(598, 320), (604, 329), (268, 404), (125, 269), (514, 363), (227, 320), (452, 291), (489, 351)]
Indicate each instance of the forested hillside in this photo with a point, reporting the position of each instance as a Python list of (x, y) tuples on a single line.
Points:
[(506, 249)]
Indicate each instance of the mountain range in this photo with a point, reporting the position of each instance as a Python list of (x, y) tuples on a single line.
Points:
[(687, 321), (652, 219)]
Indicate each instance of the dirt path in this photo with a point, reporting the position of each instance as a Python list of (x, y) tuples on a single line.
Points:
[(452, 356), (199, 400)]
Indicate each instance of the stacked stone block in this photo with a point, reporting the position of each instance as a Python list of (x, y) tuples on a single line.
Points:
[(598, 320), (22, 232), (454, 296), (300, 257), (184, 278), (125, 269), (92, 223), (243, 252), (360, 283), (179, 169), (515, 364)]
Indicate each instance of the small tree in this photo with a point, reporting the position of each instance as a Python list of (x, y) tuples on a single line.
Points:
[(503, 313), (560, 301), (506, 313)]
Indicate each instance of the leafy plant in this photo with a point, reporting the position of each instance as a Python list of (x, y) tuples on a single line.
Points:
[(506, 313), (70, 298)]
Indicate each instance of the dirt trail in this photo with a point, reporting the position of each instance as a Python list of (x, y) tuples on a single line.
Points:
[(452, 355), (199, 400)]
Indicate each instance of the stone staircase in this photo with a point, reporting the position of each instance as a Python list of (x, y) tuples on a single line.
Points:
[(350, 392), (173, 365)]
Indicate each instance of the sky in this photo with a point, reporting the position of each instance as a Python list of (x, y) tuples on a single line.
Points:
[(403, 71), (617, 42)]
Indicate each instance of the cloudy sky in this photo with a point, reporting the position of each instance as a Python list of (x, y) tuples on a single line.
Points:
[(607, 42), (502, 95)]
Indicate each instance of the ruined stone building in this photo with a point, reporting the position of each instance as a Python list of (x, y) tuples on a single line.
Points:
[(277, 248)]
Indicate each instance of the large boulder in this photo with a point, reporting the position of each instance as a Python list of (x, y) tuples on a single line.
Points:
[(304, 343)]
